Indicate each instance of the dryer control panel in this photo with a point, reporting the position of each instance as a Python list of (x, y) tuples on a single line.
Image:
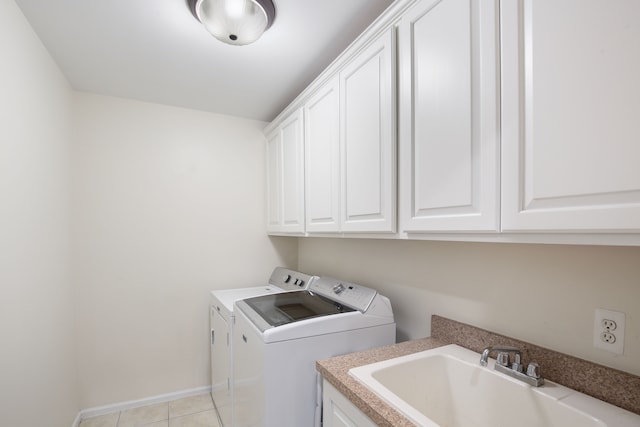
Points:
[(290, 280), (349, 294)]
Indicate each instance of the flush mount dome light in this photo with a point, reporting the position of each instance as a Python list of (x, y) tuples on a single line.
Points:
[(236, 22)]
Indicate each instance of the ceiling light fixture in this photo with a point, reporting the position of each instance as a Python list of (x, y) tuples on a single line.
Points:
[(236, 22)]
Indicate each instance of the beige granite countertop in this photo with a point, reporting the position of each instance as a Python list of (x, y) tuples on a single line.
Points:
[(336, 371)]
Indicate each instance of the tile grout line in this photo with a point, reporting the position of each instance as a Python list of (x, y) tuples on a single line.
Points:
[(168, 418)]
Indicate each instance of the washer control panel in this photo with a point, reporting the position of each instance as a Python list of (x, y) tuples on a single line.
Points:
[(345, 293)]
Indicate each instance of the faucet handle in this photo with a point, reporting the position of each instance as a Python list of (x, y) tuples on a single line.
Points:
[(517, 365), (533, 370), (503, 359)]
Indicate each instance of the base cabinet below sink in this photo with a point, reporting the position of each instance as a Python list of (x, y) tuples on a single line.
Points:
[(338, 411)]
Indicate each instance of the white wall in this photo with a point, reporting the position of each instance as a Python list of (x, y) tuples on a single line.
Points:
[(544, 294), (169, 204), (38, 382)]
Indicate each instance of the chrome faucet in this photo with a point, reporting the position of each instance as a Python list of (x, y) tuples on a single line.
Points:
[(531, 376), (502, 349)]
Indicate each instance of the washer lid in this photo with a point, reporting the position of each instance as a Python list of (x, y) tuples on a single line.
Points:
[(289, 307), (282, 279)]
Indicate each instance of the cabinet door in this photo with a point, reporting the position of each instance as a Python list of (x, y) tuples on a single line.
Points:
[(367, 139), (570, 109), (322, 153), (285, 176), (449, 143), (338, 411)]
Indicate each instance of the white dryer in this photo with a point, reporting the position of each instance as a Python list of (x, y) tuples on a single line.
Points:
[(221, 316), (279, 337)]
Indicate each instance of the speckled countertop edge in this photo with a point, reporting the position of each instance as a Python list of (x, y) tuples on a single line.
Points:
[(336, 371)]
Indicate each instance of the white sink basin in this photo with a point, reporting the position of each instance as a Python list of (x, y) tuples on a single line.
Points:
[(447, 386)]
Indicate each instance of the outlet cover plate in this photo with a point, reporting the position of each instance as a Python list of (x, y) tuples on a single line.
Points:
[(600, 331)]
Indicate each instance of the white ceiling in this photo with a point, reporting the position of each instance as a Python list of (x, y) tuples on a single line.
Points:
[(156, 51)]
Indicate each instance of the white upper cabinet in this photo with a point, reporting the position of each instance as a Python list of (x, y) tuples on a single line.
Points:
[(570, 113), (517, 121), (368, 138), (322, 152), (285, 176), (448, 116)]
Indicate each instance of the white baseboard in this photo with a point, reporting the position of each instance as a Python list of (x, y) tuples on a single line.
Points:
[(122, 406)]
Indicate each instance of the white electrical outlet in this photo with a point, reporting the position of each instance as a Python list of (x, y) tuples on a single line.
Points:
[(608, 330)]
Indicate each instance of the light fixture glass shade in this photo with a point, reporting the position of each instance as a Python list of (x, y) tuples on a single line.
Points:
[(236, 22)]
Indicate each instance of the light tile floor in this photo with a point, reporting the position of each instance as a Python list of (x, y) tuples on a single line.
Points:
[(194, 411)]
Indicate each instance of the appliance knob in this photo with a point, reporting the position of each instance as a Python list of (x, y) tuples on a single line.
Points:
[(300, 282), (338, 289), (286, 278)]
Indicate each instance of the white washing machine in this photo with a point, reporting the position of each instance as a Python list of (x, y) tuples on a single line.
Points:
[(279, 337), (221, 318)]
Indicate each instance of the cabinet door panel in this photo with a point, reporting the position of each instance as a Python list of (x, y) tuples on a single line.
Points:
[(442, 79), (449, 144), (285, 177), (571, 98), (368, 139), (292, 174), (273, 181), (363, 139), (322, 152)]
